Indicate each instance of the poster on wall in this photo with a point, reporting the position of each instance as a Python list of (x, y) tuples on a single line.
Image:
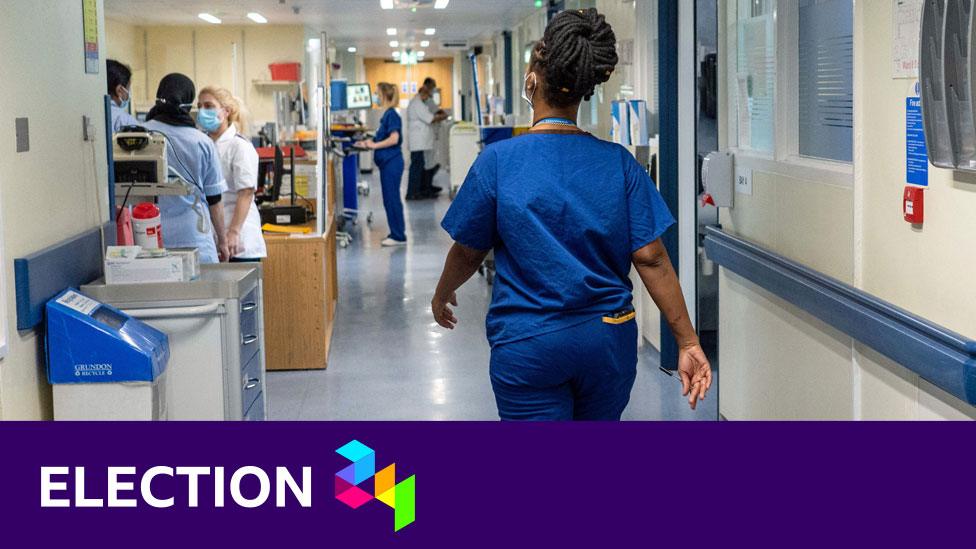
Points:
[(916, 153), (89, 9), (905, 24)]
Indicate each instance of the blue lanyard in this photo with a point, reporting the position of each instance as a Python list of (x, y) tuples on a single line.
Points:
[(555, 121)]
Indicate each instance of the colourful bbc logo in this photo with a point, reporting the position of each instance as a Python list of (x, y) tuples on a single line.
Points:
[(401, 497)]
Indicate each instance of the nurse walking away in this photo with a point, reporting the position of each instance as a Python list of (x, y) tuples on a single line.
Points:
[(567, 215), (196, 220), (221, 115), (389, 159)]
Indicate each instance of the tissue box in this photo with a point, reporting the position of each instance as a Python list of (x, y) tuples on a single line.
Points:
[(191, 261), (132, 265)]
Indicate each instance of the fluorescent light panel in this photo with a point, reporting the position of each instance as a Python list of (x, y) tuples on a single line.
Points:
[(257, 17), (430, 31), (352, 49), (391, 31), (424, 43), (440, 4), (209, 18), (386, 4), (394, 44)]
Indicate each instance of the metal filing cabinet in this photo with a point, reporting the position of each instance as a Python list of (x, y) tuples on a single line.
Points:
[(216, 330)]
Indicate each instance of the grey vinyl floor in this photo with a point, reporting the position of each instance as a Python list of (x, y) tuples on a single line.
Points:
[(390, 361)]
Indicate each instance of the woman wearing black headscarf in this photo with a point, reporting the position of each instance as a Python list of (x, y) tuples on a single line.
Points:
[(193, 156)]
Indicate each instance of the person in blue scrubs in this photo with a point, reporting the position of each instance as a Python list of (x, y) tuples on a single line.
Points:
[(388, 156), (119, 78), (195, 220), (567, 215)]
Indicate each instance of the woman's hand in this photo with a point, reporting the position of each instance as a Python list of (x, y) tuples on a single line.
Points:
[(233, 243), (695, 373), (366, 144), (442, 311)]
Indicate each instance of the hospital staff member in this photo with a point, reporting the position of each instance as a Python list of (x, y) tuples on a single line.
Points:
[(420, 122), (119, 78), (388, 156), (196, 220), (567, 215), (221, 115)]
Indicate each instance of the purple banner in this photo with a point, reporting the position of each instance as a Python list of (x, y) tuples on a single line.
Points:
[(485, 485)]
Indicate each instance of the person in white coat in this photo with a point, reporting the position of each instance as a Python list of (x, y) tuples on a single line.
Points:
[(420, 132), (222, 116)]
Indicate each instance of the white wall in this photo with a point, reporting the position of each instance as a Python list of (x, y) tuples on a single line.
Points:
[(57, 190)]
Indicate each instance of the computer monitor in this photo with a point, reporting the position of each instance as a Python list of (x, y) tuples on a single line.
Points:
[(359, 96)]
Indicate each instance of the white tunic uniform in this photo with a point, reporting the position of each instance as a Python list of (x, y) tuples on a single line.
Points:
[(239, 162), (419, 119)]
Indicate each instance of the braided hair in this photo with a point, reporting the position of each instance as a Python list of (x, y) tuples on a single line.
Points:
[(577, 53)]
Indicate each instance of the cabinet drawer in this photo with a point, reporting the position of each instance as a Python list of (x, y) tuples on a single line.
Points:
[(249, 311), (256, 411), (251, 383), (249, 326)]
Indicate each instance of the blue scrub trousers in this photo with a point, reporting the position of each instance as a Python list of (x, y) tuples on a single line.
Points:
[(584, 372), (391, 174)]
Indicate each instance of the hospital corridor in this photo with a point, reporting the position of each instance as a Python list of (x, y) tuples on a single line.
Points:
[(391, 362), (496, 211)]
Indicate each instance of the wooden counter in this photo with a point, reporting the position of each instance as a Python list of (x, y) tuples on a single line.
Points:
[(300, 295)]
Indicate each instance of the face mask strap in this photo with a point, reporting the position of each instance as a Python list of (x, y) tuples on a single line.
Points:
[(525, 85)]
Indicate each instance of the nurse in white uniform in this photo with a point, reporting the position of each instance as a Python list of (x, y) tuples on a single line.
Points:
[(221, 115), (196, 220)]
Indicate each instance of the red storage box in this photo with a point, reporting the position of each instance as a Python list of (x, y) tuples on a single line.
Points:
[(286, 71)]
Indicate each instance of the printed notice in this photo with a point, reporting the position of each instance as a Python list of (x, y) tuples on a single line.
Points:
[(89, 10), (78, 302), (916, 155), (905, 29)]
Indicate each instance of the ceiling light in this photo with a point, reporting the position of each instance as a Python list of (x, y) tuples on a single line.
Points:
[(391, 31), (386, 4), (257, 17), (421, 53), (424, 43), (209, 18), (394, 44), (396, 53), (440, 4), (352, 49), (430, 31)]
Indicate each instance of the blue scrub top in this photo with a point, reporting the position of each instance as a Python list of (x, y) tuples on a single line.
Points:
[(121, 118), (194, 157), (390, 123), (564, 214)]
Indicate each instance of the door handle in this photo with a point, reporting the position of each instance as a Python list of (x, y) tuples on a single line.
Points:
[(251, 383), (247, 340), (250, 306)]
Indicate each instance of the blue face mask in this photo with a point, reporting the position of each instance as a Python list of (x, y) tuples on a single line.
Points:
[(125, 104), (208, 119)]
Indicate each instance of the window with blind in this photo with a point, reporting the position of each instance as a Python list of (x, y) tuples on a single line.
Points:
[(755, 86), (826, 79)]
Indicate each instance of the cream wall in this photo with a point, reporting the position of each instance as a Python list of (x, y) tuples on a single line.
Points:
[(927, 271), (57, 190), (229, 56), (778, 362)]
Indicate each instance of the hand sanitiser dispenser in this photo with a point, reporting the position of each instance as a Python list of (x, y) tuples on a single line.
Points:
[(103, 364)]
